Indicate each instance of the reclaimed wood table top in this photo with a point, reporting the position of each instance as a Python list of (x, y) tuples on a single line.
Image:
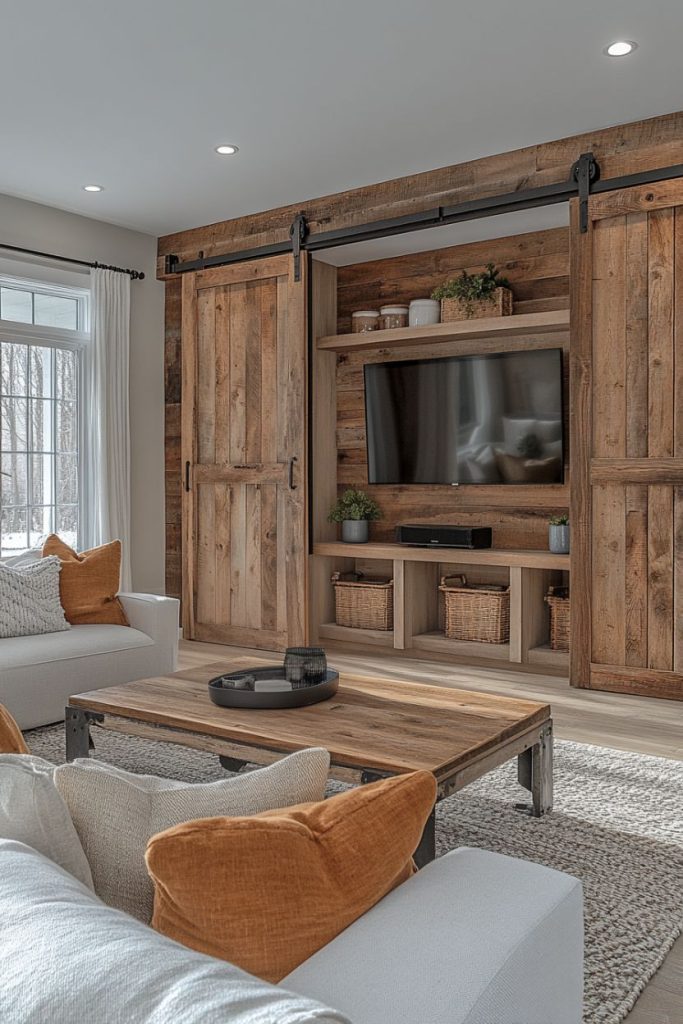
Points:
[(383, 725)]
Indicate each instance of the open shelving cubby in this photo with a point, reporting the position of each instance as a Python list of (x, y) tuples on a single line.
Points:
[(338, 431)]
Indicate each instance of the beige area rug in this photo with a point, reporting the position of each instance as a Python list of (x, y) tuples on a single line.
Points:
[(617, 825)]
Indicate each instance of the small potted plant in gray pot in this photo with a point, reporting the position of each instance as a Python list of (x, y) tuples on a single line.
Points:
[(558, 535), (354, 510)]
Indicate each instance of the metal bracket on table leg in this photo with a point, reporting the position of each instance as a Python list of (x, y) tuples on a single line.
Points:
[(231, 764), (426, 851), (77, 731), (535, 773)]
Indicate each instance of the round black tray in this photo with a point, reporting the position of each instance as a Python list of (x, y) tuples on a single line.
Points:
[(228, 697)]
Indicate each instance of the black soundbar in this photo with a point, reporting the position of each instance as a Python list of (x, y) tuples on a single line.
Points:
[(422, 535)]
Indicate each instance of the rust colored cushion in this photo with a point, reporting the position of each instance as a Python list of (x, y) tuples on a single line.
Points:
[(89, 583), (11, 740), (266, 892)]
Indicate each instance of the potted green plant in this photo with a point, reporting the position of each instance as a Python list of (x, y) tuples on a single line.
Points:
[(354, 510), (558, 535), (471, 296)]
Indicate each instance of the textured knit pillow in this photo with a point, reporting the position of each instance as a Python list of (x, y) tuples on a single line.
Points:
[(33, 812), (29, 599), (267, 892), (11, 739), (116, 813), (89, 582)]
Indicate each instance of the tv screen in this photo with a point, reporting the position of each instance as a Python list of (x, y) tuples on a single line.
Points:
[(493, 419)]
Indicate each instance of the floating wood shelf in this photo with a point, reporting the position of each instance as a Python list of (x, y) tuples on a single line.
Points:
[(459, 556), (522, 324)]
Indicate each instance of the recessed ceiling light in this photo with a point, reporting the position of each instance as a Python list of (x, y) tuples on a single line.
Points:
[(226, 149), (93, 188), (620, 48)]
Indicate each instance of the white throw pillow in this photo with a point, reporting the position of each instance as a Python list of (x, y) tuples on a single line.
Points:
[(116, 813), (29, 599), (33, 812), (68, 959)]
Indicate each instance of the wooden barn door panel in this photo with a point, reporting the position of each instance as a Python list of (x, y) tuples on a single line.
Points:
[(627, 442), (244, 451)]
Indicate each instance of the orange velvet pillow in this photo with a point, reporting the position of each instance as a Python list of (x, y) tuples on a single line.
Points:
[(89, 582), (11, 740), (265, 892)]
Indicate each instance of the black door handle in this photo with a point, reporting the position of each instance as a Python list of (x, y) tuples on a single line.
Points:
[(187, 476), (292, 485)]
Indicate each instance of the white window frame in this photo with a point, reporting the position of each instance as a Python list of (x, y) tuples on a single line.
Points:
[(57, 338)]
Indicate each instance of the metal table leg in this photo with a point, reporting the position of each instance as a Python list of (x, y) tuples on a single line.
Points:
[(535, 773), (77, 730), (231, 764), (426, 851)]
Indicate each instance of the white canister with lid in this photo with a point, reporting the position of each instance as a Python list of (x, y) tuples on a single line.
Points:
[(423, 312)]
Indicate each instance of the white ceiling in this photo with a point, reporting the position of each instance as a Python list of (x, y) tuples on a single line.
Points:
[(320, 96)]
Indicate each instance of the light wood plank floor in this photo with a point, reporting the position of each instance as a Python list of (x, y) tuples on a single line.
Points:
[(641, 724)]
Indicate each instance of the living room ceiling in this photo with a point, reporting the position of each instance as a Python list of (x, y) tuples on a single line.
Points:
[(320, 96)]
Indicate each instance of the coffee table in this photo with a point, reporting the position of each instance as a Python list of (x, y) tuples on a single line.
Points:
[(373, 728)]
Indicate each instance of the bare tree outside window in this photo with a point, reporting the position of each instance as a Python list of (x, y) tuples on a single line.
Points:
[(39, 424)]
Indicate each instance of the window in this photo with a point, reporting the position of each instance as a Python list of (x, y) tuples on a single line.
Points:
[(43, 334)]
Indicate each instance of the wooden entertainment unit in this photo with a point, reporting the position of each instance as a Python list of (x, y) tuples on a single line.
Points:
[(518, 514), (269, 425)]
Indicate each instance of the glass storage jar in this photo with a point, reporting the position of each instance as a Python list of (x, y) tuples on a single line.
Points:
[(364, 320), (393, 316)]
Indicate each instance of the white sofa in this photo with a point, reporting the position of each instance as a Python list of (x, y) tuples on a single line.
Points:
[(473, 938), (38, 674)]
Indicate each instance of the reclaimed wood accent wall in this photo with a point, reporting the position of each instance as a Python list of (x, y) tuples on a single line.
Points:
[(624, 149), (537, 265)]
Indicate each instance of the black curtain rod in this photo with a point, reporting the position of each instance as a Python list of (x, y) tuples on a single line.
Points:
[(135, 275)]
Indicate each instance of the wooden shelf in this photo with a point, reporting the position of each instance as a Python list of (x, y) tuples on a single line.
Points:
[(460, 556), (347, 634), (436, 641), (545, 655), (464, 330)]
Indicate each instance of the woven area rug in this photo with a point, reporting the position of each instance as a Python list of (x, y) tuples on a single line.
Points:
[(617, 825)]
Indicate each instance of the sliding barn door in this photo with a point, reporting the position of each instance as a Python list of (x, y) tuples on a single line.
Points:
[(244, 454), (627, 442)]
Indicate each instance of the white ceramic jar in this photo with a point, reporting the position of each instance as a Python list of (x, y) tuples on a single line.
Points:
[(423, 312)]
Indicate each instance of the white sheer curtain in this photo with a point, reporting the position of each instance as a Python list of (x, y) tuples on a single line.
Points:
[(106, 462)]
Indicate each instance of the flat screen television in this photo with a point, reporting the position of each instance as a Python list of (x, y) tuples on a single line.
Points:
[(491, 419)]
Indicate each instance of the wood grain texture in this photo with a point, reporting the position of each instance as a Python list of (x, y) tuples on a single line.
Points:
[(243, 422), (390, 726), (517, 514), (627, 469)]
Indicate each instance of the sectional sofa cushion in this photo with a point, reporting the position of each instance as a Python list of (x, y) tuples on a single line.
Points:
[(266, 892), (116, 813), (30, 599), (33, 812), (69, 959), (89, 582)]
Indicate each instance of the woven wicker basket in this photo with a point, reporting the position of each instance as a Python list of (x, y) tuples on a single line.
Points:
[(500, 304), (560, 618), (363, 602), (475, 614)]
